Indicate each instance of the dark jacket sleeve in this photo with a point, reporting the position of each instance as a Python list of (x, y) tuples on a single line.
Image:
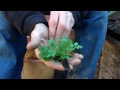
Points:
[(24, 21), (78, 15)]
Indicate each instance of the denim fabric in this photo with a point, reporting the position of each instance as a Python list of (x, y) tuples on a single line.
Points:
[(91, 35), (12, 50)]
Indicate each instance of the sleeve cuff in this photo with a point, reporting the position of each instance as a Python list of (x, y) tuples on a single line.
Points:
[(32, 21), (77, 17)]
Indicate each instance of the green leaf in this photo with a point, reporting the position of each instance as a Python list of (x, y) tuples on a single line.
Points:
[(60, 49), (78, 47), (75, 44)]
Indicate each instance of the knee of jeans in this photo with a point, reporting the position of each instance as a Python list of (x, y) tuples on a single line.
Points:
[(6, 29), (3, 22)]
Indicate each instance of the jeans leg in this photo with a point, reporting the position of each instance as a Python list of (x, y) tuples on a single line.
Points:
[(91, 35), (12, 50)]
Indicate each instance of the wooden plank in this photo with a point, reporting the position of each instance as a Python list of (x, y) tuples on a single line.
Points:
[(110, 62)]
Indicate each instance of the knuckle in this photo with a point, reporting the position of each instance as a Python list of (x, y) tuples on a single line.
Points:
[(62, 26), (53, 23)]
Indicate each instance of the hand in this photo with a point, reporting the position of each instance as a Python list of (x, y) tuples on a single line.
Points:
[(60, 24), (39, 36), (73, 61)]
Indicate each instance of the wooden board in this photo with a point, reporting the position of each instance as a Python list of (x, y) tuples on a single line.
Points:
[(110, 62)]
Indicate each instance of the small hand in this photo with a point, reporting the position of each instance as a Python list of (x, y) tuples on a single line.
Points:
[(73, 61)]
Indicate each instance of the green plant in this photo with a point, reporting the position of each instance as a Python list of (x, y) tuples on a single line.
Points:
[(59, 50)]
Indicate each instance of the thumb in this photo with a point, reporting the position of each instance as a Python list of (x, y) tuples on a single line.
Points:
[(34, 42), (39, 36)]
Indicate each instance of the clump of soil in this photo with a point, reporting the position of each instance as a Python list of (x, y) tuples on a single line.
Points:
[(30, 55)]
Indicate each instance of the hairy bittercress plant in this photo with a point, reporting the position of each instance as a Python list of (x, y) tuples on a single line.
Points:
[(59, 50)]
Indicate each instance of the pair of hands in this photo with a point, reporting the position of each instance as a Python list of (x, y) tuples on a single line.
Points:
[(60, 24)]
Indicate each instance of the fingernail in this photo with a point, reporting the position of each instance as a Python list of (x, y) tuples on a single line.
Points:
[(82, 56), (71, 67)]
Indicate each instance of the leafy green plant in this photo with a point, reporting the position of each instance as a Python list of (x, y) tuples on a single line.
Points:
[(59, 50)]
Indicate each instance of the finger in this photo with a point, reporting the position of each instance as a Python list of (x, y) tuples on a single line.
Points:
[(61, 25), (53, 21), (71, 67), (69, 25), (79, 56), (74, 61)]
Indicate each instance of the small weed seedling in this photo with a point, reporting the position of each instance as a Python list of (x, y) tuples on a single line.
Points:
[(59, 50)]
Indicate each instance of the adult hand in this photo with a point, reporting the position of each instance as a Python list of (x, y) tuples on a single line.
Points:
[(60, 24), (39, 36)]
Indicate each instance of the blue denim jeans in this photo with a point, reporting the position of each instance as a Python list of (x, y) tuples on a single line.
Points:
[(91, 35), (12, 50)]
